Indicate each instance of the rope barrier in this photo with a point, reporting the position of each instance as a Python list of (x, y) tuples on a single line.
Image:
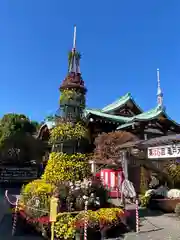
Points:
[(85, 220), (15, 218), (36, 209), (6, 195), (137, 216)]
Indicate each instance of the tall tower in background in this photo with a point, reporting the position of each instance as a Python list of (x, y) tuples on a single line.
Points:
[(159, 91), (73, 91)]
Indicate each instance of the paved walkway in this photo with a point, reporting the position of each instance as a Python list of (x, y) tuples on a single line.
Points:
[(156, 226)]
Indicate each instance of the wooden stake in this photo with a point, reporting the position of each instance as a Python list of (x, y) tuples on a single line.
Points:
[(52, 231)]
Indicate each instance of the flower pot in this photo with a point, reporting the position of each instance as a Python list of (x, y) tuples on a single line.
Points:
[(167, 205)]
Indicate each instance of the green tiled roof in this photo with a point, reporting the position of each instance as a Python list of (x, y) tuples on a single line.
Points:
[(149, 115), (99, 113), (119, 103), (153, 114)]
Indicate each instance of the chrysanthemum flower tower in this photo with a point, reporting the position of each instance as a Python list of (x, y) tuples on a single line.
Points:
[(72, 99), (70, 131)]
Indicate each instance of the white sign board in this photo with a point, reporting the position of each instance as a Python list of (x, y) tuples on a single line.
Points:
[(166, 151)]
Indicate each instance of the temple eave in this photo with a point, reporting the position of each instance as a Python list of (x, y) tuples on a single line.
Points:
[(125, 101), (152, 125), (98, 115)]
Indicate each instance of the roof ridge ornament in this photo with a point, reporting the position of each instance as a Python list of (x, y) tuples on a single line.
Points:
[(159, 91)]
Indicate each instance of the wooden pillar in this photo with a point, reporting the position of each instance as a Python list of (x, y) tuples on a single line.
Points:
[(125, 164), (143, 180)]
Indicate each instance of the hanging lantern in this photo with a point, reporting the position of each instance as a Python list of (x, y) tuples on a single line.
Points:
[(138, 153), (135, 151)]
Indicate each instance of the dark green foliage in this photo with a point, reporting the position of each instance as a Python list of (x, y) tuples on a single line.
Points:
[(36, 125), (12, 123), (50, 118), (17, 139)]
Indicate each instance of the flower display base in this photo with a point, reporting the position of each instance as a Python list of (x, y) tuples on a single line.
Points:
[(167, 205)]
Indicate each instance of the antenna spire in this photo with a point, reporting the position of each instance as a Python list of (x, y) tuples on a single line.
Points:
[(74, 39), (159, 91)]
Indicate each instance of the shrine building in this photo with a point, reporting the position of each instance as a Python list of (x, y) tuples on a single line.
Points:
[(124, 114)]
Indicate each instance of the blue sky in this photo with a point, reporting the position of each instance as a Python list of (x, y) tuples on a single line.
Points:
[(122, 43)]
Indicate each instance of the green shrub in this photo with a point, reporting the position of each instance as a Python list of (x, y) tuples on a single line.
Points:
[(64, 167), (144, 200)]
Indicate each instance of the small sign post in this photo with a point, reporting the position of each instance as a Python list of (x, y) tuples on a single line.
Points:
[(53, 214)]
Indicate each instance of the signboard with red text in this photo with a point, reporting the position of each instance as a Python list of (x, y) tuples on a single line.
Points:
[(166, 151)]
